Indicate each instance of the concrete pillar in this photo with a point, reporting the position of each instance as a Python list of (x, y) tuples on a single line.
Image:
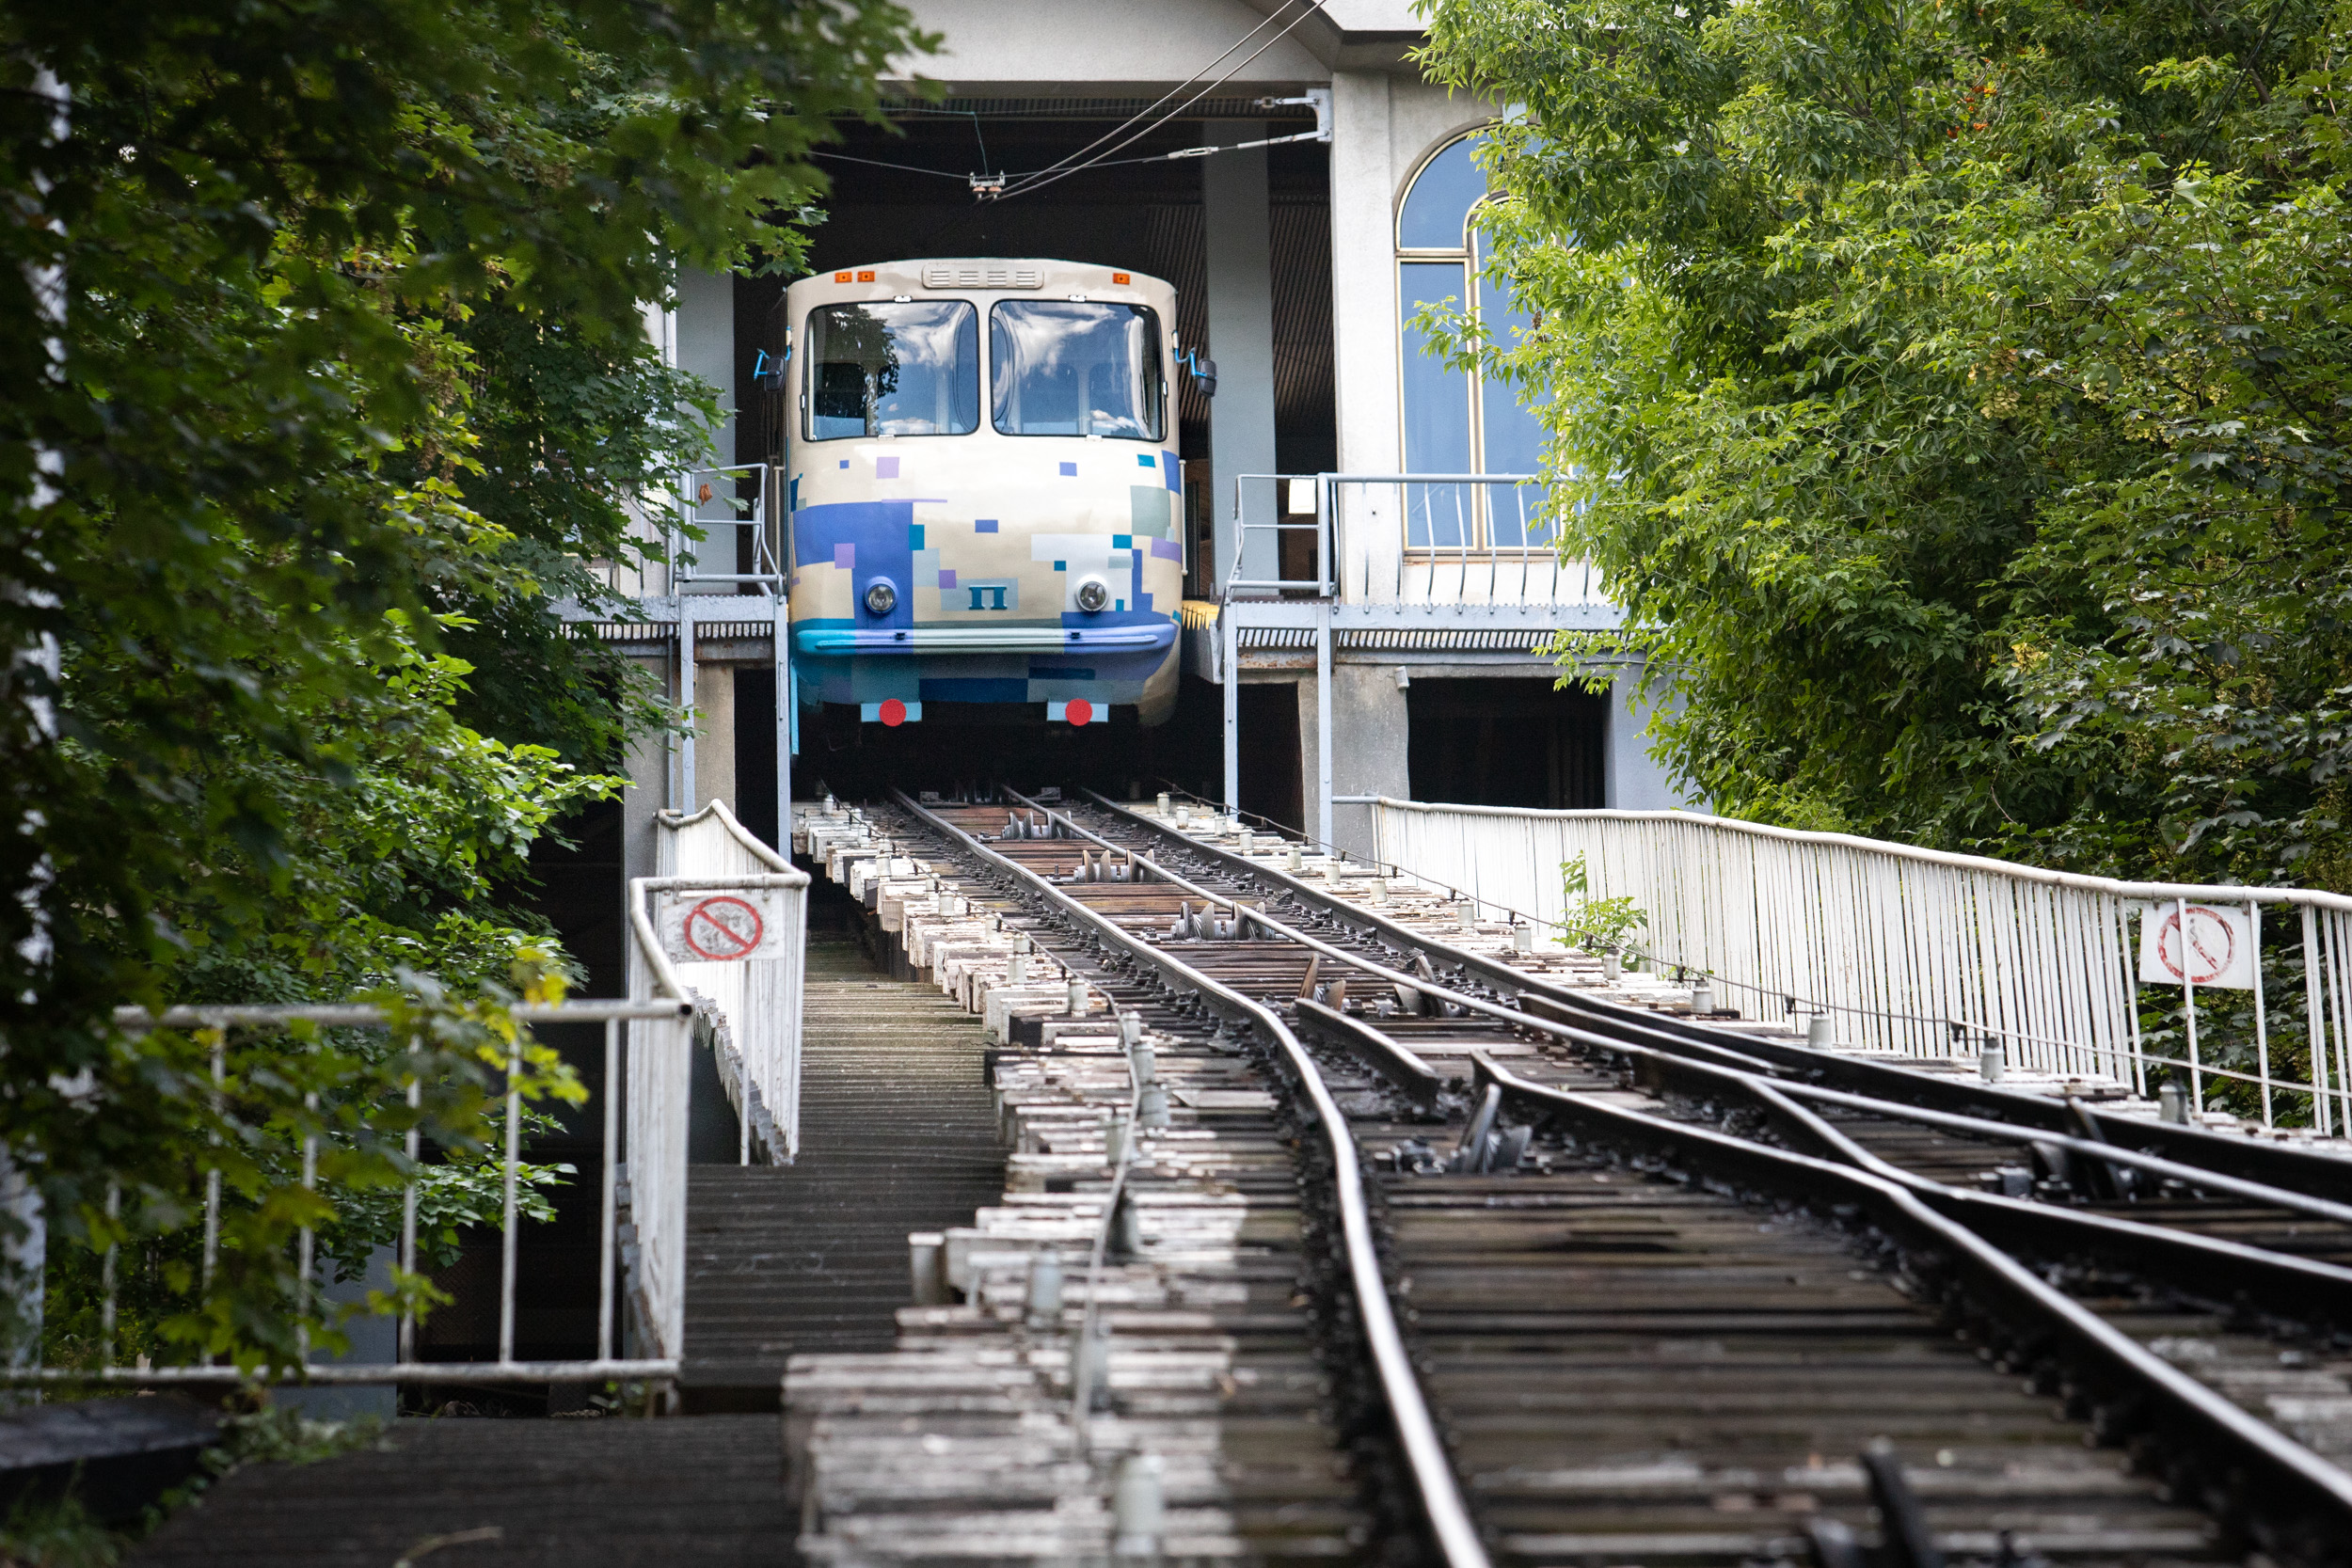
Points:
[(714, 738), (1368, 738), (1363, 271), (1240, 281), (705, 345), (1310, 756), (649, 766)]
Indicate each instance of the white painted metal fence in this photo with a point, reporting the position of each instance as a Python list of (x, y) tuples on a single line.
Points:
[(657, 1078), (1925, 953), (750, 986)]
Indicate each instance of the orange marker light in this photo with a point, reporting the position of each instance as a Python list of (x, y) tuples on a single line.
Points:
[(1118, 277), (841, 277), (866, 277)]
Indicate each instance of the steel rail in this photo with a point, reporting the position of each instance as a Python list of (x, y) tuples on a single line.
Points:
[(1442, 1506), (2292, 1284), (1912, 1201), (2323, 1491), (2088, 1148), (2308, 1290), (2189, 1146)]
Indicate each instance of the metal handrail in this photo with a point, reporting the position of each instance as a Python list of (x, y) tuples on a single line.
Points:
[(1924, 947), (672, 1009), (1466, 553), (767, 557), (755, 1005)]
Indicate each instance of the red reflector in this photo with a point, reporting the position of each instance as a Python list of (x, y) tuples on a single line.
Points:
[(1080, 711), (894, 712)]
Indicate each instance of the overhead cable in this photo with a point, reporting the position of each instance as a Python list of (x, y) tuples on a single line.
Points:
[(1144, 113), (1058, 172)]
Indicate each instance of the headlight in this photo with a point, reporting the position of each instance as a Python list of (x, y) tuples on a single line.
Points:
[(881, 599), (1093, 595)]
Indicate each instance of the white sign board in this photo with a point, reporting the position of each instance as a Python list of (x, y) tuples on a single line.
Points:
[(2213, 949), (720, 926)]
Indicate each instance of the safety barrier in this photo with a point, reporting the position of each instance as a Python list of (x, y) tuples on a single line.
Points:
[(641, 1224), (729, 918), (1931, 954), (1422, 539)]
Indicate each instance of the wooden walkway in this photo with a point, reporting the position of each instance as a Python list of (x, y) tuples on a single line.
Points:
[(520, 1493), (898, 1133)]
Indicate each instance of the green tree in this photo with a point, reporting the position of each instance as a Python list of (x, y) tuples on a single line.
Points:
[(1956, 396), (324, 365)]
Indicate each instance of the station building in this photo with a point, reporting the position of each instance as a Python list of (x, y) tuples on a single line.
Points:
[(1305, 194)]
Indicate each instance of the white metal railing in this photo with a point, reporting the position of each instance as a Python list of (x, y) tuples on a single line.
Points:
[(1410, 538), (708, 503), (656, 1130), (1924, 950), (743, 960)]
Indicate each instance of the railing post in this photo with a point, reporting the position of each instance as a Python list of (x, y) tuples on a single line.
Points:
[(1323, 722), (608, 1228), (685, 699)]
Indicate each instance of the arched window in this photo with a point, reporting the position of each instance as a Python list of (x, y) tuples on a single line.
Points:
[(1457, 422)]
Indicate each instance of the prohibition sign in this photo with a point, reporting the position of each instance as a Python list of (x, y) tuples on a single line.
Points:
[(2211, 945), (722, 929)]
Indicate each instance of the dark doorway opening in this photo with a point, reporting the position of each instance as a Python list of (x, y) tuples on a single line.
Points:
[(754, 801), (1505, 742), (1270, 785)]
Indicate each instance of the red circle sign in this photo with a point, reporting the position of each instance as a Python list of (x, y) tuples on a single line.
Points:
[(894, 712), (721, 928), (2211, 945), (1080, 711)]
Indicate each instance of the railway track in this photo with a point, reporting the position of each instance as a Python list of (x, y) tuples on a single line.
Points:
[(1595, 1285)]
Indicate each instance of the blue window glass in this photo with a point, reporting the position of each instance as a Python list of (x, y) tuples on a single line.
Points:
[(1455, 421), (1437, 415), (1440, 202), (1513, 436)]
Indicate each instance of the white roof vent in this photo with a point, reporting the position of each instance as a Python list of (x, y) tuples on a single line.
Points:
[(980, 274)]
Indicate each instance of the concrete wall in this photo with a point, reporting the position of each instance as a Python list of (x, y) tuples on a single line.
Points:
[(1383, 127), (1236, 225), (647, 765), (1111, 46), (714, 734), (1636, 780), (1368, 736), (705, 338)]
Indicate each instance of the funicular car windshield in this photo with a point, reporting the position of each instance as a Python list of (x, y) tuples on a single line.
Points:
[(909, 368), (1075, 368)]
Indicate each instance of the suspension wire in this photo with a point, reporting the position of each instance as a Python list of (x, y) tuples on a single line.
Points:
[(1039, 184), (1314, 6), (1181, 152), (877, 162)]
